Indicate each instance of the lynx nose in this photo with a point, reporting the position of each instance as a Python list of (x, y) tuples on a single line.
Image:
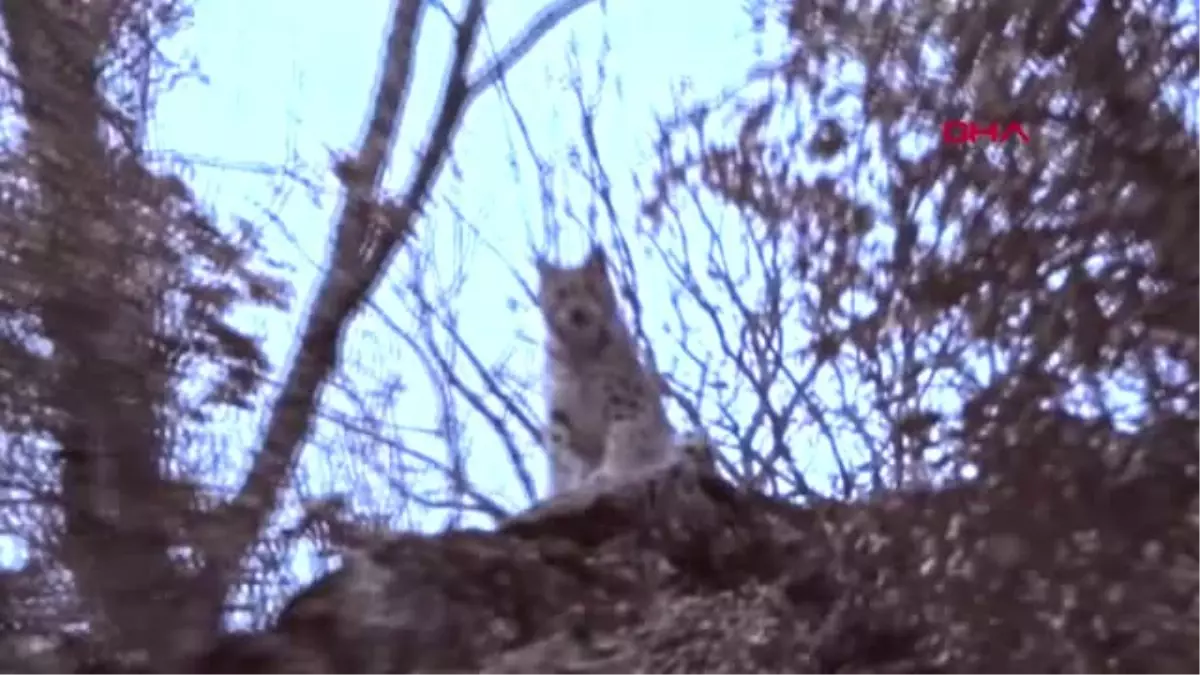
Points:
[(578, 317)]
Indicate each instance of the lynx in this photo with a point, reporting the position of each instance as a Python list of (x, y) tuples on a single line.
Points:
[(606, 419)]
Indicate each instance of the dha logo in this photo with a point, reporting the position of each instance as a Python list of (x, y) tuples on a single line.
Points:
[(957, 132)]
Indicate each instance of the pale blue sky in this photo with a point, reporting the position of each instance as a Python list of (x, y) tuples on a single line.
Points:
[(287, 79), (285, 83), (292, 79)]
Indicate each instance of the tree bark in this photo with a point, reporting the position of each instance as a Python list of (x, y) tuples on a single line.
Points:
[(105, 392)]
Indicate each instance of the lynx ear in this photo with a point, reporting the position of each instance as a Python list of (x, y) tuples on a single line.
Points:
[(597, 259), (543, 266)]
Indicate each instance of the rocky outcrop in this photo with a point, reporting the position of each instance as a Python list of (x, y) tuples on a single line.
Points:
[(682, 572)]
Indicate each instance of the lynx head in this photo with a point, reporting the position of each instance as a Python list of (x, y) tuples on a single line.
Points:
[(578, 304)]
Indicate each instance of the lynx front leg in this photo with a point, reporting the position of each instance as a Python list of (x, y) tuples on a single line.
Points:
[(566, 473), (567, 469)]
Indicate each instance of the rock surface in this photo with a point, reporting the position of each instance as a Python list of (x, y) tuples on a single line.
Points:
[(682, 572)]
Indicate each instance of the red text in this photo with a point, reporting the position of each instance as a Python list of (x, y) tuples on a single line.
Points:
[(965, 131)]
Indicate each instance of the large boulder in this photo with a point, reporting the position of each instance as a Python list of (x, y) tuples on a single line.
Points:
[(683, 572)]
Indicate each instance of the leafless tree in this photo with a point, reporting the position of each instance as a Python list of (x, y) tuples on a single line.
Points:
[(115, 290), (731, 337), (1017, 320), (1011, 312), (847, 292)]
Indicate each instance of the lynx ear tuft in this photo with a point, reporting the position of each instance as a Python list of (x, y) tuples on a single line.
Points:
[(597, 258)]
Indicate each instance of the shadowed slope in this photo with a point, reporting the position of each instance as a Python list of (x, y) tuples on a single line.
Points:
[(682, 572)]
